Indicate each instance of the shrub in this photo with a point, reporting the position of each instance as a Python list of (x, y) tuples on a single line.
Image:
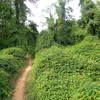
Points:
[(11, 62), (4, 84), (78, 34), (16, 52), (12, 59)]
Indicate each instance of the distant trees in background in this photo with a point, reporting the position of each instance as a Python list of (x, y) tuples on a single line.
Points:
[(63, 25), (65, 30), (90, 19)]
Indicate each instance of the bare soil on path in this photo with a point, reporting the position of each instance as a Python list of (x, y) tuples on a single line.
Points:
[(19, 92)]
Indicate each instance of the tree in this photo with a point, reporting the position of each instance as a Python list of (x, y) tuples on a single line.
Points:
[(61, 9), (21, 10), (63, 26), (90, 16), (45, 40), (12, 23), (81, 3), (7, 22), (50, 22)]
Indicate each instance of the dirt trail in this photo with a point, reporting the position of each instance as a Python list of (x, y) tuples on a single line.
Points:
[(19, 92)]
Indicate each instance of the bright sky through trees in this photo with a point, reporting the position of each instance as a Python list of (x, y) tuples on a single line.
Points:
[(38, 14)]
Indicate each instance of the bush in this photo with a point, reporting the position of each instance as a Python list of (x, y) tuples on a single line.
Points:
[(66, 74), (4, 84), (12, 59), (16, 52), (44, 40), (11, 62)]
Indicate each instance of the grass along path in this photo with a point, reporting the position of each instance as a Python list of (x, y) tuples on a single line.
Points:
[(19, 92)]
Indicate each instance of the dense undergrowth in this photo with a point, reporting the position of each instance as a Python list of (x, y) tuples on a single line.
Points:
[(67, 73), (11, 62)]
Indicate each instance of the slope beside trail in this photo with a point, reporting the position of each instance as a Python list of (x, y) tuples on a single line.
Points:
[(19, 92)]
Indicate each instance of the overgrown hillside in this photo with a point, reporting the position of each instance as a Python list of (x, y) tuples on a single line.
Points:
[(69, 73)]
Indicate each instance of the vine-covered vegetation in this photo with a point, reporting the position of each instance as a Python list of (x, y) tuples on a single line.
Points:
[(69, 73)]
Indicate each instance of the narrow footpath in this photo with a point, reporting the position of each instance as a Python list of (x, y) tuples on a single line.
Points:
[(19, 92)]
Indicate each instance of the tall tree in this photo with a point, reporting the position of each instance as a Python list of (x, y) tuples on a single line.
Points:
[(63, 31), (90, 16), (12, 22), (62, 10), (81, 2), (88, 10), (20, 9), (50, 22), (6, 22)]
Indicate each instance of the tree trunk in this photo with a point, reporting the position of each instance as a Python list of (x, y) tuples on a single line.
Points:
[(17, 11)]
